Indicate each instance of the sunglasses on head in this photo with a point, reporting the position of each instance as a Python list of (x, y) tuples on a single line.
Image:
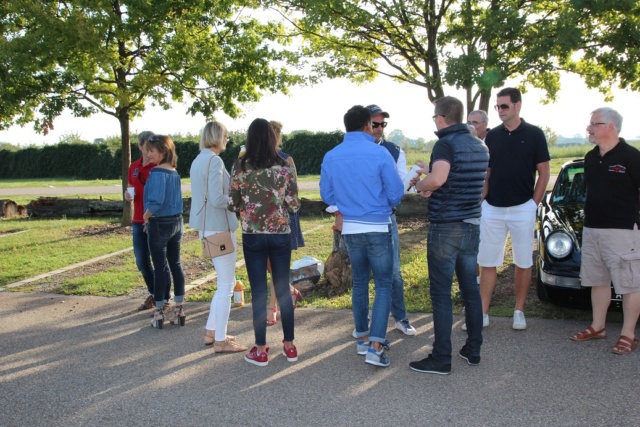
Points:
[(376, 124), (503, 106)]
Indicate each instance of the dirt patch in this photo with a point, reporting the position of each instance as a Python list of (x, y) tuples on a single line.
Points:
[(101, 230), (9, 232), (194, 267)]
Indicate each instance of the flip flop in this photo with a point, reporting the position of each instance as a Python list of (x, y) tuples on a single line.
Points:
[(589, 334)]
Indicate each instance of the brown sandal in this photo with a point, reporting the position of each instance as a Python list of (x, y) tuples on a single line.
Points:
[(625, 345), (589, 334), (209, 337)]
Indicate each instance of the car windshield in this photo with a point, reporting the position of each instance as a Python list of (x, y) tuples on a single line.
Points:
[(570, 187)]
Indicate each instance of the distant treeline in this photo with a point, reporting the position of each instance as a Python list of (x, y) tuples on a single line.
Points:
[(98, 161)]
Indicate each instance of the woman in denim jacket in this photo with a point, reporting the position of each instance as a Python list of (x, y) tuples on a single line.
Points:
[(164, 225)]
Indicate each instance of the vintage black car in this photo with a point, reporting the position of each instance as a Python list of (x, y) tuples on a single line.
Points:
[(560, 218)]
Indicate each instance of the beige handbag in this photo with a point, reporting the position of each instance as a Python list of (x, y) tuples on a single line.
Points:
[(220, 243)]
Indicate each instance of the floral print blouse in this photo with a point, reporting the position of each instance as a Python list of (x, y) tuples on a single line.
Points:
[(263, 197)]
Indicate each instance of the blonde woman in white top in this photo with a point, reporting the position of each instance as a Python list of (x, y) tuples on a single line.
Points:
[(208, 173)]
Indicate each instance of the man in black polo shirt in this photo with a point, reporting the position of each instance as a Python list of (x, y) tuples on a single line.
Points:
[(517, 151), (610, 238)]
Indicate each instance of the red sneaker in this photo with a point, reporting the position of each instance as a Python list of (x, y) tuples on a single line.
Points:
[(258, 359), (291, 354)]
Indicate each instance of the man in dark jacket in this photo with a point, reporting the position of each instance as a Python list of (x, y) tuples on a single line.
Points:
[(454, 184)]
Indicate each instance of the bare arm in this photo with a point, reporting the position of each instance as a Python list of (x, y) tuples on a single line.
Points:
[(437, 177), (544, 173), (485, 188)]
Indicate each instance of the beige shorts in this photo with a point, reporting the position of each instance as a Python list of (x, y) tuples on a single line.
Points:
[(611, 255)]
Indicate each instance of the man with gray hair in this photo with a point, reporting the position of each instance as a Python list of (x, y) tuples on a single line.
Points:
[(479, 120), (611, 235)]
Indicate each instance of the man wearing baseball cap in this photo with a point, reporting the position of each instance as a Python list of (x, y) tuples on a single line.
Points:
[(398, 309)]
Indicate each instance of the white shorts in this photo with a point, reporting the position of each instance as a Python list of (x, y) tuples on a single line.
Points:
[(495, 223)]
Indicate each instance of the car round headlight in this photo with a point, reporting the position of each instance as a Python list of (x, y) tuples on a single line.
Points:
[(559, 244)]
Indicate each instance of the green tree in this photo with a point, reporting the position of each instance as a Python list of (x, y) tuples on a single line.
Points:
[(396, 136), (115, 56), (487, 42), (72, 138), (470, 44), (610, 51), (550, 135), (9, 147)]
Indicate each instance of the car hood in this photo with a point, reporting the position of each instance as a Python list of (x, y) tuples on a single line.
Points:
[(571, 219)]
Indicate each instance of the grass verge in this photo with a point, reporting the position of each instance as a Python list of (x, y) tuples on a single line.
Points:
[(30, 247)]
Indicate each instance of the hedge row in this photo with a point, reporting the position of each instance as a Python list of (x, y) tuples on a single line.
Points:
[(94, 161)]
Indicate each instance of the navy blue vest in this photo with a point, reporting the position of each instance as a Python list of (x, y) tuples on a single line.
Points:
[(393, 149), (460, 196)]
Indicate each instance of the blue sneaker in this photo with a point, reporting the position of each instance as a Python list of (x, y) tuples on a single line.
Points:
[(363, 346), (377, 358)]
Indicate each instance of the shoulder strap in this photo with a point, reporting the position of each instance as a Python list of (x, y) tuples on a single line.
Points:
[(206, 190)]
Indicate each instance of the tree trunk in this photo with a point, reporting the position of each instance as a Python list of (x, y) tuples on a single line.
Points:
[(485, 98), (127, 211), (54, 207)]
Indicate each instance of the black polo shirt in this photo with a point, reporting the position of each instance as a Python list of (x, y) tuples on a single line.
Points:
[(612, 187), (514, 156)]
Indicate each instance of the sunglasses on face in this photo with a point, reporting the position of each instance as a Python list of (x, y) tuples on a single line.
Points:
[(376, 124), (503, 106)]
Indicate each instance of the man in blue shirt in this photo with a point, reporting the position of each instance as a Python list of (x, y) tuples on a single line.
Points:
[(360, 178)]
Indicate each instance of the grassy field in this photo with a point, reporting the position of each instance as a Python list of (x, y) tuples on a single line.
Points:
[(30, 247)]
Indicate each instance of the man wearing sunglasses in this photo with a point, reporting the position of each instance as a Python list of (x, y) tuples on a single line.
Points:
[(518, 150), (454, 182), (479, 120), (398, 310)]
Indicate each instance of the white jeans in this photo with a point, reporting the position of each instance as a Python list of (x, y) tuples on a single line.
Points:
[(225, 267)]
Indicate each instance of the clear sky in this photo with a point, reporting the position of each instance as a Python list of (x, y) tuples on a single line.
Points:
[(321, 108)]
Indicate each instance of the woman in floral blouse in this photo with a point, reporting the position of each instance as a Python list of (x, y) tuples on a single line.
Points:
[(263, 189)]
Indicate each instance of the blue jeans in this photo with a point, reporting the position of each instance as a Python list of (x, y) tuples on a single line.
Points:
[(143, 257), (454, 247), (371, 252), (257, 248), (398, 309), (164, 234)]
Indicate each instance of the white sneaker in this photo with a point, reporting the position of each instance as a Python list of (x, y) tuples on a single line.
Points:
[(405, 327), (519, 322), (485, 322)]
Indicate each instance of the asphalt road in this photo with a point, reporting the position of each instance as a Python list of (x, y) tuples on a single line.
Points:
[(85, 361)]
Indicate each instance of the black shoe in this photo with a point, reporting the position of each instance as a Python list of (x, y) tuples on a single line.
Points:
[(471, 360), (430, 366)]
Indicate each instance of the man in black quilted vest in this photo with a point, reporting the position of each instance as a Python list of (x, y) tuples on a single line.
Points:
[(454, 183)]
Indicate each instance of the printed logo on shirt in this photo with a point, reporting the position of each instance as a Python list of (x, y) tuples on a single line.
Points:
[(135, 172), (617, 169)]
